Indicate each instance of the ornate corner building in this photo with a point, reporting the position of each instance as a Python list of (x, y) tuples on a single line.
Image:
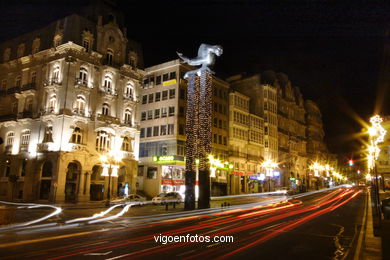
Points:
[(69, 94)]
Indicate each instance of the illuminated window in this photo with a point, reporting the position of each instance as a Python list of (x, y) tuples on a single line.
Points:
[(48, 137), (79, 105), (150, 114), (83, 76), (18, 81), (163, 129), (128, 116), (126, 144), (52, 103), (171, 111), (10, 138), (107, 84), (129, 91), (33, 78), (86, 44), (109, 56), (171, 129), (76, 136), (105, 109), (56, 74), (25, 139), (164, 112), (103, 141)]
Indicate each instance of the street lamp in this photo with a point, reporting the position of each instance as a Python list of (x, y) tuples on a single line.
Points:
[(269, 167), (110, 169)]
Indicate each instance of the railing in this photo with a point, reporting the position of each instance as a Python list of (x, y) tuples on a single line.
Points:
[(237, 154), (8, 149), (128, 96), (42, 147), (80, 112), (28, 86), (8, 117), (78, 147), (25, 114), (16, 89), (52, 81), (108, 119), (24, 148), (128, 123)]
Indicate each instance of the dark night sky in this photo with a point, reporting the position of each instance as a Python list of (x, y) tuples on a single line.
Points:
[(330, 49)]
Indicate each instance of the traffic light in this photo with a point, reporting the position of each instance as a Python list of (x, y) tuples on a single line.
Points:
[(350, 162)]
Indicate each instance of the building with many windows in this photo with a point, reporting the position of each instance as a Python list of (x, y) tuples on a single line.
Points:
[(69, 95), (162, 135)]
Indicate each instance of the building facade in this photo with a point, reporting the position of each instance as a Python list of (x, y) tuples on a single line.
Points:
[(69, 95)]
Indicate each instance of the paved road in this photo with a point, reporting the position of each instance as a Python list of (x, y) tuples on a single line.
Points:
[(320, 226)]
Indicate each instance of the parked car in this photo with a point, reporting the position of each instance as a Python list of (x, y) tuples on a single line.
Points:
[(163, 198), (137, 199)]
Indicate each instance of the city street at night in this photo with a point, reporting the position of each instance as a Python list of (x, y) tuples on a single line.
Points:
[(194, 129), (323, 225)]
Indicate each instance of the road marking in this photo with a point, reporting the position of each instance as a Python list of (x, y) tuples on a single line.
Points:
[(362, 231), (93, 244), (186, 253), (133, 253), (46, 239), (213, 244), (267, 228), (210, 220), (106, 253)]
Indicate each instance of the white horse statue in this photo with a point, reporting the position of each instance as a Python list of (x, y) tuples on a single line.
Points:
[(206, 57)]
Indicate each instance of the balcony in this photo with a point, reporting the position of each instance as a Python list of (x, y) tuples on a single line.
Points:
[(52, 82), (23, 148), (237, 154), (82, 83), (29, 86), (108, 93), (79, 112), (43, 147), (127, 155), (128, 97), (78, 147), (128, 123), (8, 149), (13, 90), (9, 117), (25, 114), (108, 119)]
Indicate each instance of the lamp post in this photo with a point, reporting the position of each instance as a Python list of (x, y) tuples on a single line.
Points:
[(269, 166), (110, 169), (377, 134)]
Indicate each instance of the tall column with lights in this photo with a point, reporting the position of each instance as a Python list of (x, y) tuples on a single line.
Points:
[(198, 124), (377, 134)]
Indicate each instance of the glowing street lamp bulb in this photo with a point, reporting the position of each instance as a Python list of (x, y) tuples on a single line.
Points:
[(103, 158)]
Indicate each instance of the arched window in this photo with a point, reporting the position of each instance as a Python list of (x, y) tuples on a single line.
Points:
[(48, 137), (108, 84), (28, 106), (129, 91), (56, 74), (18, 81), (126, 144), (79, 105), (76, 136), (10, 138), (103, 141), (86, 44), (105, 109), (109, 56), (128, 117), (33, 78), (52, 103), (83, 76), (25, 139)]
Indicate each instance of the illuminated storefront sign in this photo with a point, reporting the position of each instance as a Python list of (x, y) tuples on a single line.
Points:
[(168, 158)]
